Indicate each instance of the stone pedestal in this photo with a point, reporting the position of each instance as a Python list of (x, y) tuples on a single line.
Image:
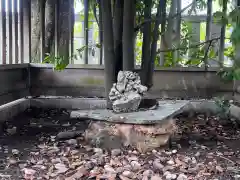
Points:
[(142, 137), (143, 130)]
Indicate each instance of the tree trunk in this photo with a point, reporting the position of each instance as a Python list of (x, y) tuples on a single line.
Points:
[(49, 25), (155, 38), (163, 29), (169, 34), (128, 35), (101, 34), (64, 30), (118, 32), (109, 57), (35, 31), (178, 30), (208, 29), (146, 47), (86, 9), (170, 31), (49, 28), (222, 37)]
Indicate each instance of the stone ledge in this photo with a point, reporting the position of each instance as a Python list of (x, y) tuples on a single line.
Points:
[(13, 108)]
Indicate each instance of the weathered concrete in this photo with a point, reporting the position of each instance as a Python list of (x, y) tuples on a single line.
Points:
[(165, 111), (88, 81), (13, 108), (68, 103), (14, 82)]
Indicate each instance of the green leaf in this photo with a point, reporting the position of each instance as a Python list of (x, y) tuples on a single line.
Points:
[(220, 18), (236, 74), (98, 45), (81, 49), (235, 36), (235, 15), (212, 54)]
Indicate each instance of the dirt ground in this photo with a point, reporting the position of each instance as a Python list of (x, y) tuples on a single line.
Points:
[(205, 147)]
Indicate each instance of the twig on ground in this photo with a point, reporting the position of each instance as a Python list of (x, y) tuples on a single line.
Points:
[(227, 159)]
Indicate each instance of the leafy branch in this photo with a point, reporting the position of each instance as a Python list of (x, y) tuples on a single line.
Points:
[(60, 62), (190, 47), (159, 18)]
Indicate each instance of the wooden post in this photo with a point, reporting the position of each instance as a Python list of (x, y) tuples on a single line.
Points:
[(71, 28), (21, 31), (3, 31), (16, 44), (26, 43), (9, 32), (86, 7), (56, 32), (195, 38)]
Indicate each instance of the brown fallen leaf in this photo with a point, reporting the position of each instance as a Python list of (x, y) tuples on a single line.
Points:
[(29, 174), (219, 169)]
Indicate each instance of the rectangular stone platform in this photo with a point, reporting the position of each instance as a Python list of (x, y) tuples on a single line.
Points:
[(166, 110)]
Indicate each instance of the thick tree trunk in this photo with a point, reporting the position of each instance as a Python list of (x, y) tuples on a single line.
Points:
[(170, 25), (101, 35), (208, 29), (146, 47), (163, 29), (109, 57), (155, 38), (36, 28), (49, 25), (64, 30), (35, 31), (118, 33), (178, 28), (128, 35), (86, 9), (170, 33), (222, 37)]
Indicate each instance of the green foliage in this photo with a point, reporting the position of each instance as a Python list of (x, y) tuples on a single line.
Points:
[(220, 18), (235, 36), (233, 20), (78, 27), (59, 62), (197, 54), (138, 48), (229, 74), (223, 107)]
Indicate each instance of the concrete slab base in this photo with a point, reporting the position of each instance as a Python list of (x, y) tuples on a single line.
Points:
[(166, 110)]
